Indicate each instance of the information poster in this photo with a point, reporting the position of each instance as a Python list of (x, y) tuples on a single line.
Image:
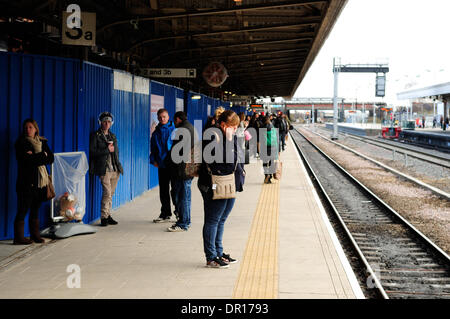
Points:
[(179, 105), (157, 102)]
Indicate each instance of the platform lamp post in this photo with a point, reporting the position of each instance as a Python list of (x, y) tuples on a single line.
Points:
[(335, 102)]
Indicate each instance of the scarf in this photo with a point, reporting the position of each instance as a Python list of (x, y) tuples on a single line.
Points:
[(43, 175)]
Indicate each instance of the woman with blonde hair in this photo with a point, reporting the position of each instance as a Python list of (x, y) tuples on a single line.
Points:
[(32, 154), (217, 210), (212, 120), (218, 112)]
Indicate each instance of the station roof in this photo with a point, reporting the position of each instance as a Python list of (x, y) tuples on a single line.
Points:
[(438, 91), (266, 46)]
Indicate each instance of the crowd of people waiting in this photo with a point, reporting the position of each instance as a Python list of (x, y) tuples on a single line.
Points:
[(228, 142)]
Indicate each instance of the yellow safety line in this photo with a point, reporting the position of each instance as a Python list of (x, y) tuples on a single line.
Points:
[(258, 275)]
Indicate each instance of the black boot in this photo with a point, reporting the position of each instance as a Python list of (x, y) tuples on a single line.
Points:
[(111, 221), (104, 222), (19, 239), (34, 231)]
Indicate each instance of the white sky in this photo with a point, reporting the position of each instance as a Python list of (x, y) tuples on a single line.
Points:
[(412, 35)]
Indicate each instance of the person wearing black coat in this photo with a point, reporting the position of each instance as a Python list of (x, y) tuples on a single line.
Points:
[(104, 162), (32, 154), (217, 211), (176, 162)]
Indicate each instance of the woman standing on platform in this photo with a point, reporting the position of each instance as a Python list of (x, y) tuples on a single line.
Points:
[(32, 154), (217, 211), (269, 149)]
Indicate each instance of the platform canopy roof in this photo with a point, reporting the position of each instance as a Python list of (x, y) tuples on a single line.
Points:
[(266, 46), (437, 91)]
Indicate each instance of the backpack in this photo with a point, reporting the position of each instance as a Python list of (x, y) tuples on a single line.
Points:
[(272, 137), (192, 167)]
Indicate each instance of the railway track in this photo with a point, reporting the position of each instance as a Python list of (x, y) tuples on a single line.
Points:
[(401, 262), (429, 155), (436, 190)]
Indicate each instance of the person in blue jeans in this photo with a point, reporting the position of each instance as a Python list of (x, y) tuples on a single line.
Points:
[(184, 136), (217, 211), (161, 144)]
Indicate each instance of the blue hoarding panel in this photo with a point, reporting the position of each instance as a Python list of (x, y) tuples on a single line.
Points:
[(94, 98), (141, 136), (66, 98), (42, 88), (122, 108)]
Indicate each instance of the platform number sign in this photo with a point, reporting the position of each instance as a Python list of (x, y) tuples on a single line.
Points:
[(78, 28)]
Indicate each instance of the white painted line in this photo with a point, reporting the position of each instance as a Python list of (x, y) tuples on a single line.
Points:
[(337, 245)]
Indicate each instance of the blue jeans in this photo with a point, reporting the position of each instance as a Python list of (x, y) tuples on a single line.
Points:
[(181, 192), (216, 213)]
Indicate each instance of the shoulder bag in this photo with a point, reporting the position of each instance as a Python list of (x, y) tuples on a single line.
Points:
[(50, 188), (223, 186)]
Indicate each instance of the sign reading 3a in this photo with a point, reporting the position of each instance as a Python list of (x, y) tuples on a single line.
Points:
[(83, 35)]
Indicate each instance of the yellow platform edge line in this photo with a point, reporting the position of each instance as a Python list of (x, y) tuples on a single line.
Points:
[(258, 274)]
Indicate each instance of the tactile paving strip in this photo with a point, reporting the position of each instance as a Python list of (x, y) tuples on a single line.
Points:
[(258, 276)]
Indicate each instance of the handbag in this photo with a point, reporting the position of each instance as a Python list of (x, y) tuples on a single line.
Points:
[(223, 186), (279, 170), (247, 135), (192, 168), (50, 189)]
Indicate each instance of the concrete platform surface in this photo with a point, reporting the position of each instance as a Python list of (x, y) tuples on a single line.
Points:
[(140, 259)]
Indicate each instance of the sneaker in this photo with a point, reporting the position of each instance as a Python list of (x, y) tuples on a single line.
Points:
[(162, 220), (217, 263), (104, 222), (175, 228), (227, 259), (111, 221)]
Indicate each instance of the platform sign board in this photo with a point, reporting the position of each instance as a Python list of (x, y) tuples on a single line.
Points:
[(380, 85), (85, 35), (169, 73)]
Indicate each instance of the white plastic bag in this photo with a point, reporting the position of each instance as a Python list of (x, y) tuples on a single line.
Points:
[(69, 171)]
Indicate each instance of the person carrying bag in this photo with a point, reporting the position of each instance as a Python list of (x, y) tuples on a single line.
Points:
[(219, 180), (33, 181)]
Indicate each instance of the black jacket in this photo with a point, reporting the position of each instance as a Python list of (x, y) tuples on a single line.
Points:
[(204, 179), (281, 124), (177, 170), (99, 152), (27, 164)]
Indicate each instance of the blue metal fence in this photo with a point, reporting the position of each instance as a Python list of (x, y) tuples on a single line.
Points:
[(94, 98), (43, 88), (66, 97)]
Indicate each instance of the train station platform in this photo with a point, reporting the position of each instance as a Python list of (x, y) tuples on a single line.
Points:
[(285, 246)]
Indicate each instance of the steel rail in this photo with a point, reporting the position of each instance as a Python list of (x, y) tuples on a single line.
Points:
[(377, 143), (436, 249), (433, 189), (344, 226)]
